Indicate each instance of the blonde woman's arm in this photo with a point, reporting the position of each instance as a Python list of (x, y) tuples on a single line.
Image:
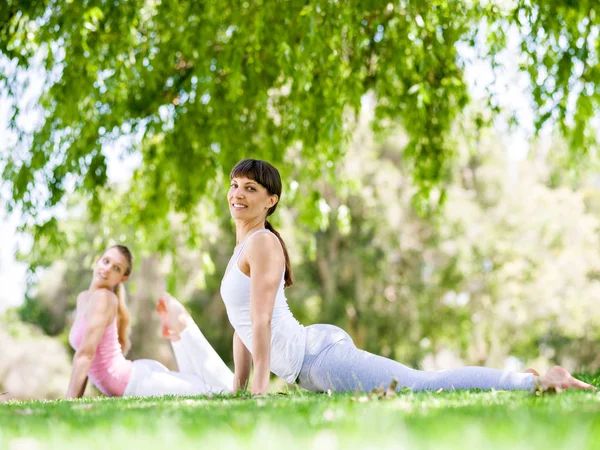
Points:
[(100, 313)]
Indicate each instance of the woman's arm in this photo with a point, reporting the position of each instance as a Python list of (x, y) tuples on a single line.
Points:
[(267, 263), (100, 313), (242, 360)]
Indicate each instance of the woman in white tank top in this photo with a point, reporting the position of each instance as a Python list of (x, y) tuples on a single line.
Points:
[(320, 357)]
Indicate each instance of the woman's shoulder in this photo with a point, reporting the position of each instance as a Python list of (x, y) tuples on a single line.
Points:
[(265, 249), (263, 242), (101, 301), (83, 296)]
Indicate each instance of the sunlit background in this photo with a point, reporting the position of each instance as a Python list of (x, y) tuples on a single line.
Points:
[(476, 246)]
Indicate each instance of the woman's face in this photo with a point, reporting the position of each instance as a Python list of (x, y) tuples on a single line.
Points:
[(110, 269), (248, 199)]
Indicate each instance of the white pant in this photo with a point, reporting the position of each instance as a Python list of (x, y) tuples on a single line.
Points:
[(201, 370)]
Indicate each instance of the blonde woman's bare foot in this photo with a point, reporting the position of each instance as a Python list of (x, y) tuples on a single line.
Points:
[(533, 371), (557, 379), (173, 316)]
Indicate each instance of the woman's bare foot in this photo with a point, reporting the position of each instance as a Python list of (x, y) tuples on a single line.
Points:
[(557, 379), (173, 316)]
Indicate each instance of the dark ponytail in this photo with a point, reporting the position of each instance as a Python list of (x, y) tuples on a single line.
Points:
[(289, 279), (267, 176)]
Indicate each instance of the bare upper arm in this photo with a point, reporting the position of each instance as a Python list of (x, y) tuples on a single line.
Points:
[(100, 313), (267, 264), (265, 257)]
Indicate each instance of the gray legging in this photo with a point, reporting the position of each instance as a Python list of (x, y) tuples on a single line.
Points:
[(332, 361)]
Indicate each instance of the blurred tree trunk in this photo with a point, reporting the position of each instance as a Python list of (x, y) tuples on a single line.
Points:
[(146, 338)]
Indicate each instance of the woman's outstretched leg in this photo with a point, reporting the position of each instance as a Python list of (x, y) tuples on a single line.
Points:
[(345, 368), (150, 378), (192, 351), (338, 365)]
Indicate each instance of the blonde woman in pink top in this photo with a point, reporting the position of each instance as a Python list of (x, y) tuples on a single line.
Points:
[(99, 336)]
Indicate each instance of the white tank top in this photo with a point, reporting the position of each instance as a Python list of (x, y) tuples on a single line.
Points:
[(288, 337)]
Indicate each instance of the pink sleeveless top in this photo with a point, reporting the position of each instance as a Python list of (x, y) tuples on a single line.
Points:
[(110, 371)]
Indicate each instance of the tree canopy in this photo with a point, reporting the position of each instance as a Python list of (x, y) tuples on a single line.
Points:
[(202, 84)]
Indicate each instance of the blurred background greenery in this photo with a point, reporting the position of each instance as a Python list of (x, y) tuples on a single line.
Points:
[(415, 220)]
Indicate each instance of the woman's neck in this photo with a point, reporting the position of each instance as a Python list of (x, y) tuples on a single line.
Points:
[(244, 229)]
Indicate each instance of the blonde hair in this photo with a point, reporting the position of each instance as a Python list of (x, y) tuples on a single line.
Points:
[(123, 320), (122, 311)]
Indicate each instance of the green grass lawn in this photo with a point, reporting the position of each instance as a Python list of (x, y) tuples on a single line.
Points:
[(466, 419)]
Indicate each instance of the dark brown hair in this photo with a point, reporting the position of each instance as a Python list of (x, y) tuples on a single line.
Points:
[(268, 177)]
